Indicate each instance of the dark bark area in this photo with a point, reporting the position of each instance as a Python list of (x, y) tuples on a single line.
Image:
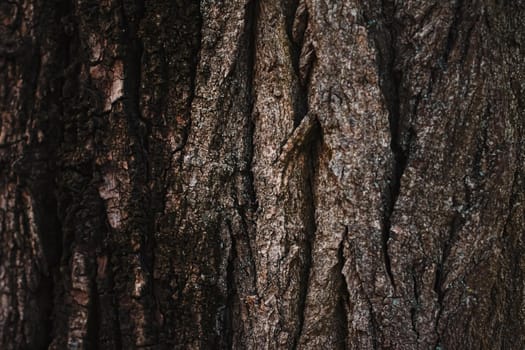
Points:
[(294, 174)]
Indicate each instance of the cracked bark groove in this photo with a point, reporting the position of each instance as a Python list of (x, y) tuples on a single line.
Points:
[(245, 174)]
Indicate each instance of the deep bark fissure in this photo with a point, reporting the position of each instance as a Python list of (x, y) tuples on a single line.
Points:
[(252, 15), (415, 306), (44, 296), (116, 321), (296, 29), (92, 334), (232, 292), (453, 31), (251, 30), (133, 51), (50, 232), (241, 206), (400, 159), (344, 295), (33, 69), (312, 157), (390, 84), (290, 11), (374, 326), (48, 280), (37, 175), (296, 41), (246, 230), (455, 226), (193, 85)]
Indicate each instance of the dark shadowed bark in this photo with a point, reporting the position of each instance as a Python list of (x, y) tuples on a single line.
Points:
[(256, 174)]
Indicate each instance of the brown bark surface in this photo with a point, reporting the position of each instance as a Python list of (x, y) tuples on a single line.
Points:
[(256, 174)]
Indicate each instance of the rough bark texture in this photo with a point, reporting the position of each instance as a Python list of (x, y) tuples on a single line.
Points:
[(256, 174)]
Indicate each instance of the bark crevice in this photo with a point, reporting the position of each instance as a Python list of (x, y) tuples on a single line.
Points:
[(381, 28), (296, 29), (439, 289), (312, 156), (241, 271), (344, 295), (415, 306), (453, 33), (252, 15)]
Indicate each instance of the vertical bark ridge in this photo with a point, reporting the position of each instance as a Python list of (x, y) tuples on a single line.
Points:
[(243, 239), (344, 297), (217, 148), (30, 59), (282, 166), (85, 313), (170, 35), (138, 312), (380, 22), (109, 58), (439, 289), (429, 72), (344, 93), (313, 156), (510, 270), (74, 293), (513, 232)]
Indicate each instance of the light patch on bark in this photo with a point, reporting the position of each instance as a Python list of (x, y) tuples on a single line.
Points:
[(96, 48), (109, 192), (26, 25), (140, 282), (102, 263), (32, 227), (117, 85), (77, 329), (79, 279), (80, 294), (5, 303), (3, 131)]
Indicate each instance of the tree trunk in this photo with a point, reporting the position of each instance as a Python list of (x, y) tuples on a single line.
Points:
[(260, 174)]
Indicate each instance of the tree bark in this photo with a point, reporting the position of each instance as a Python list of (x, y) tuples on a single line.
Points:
[(245, 174)]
